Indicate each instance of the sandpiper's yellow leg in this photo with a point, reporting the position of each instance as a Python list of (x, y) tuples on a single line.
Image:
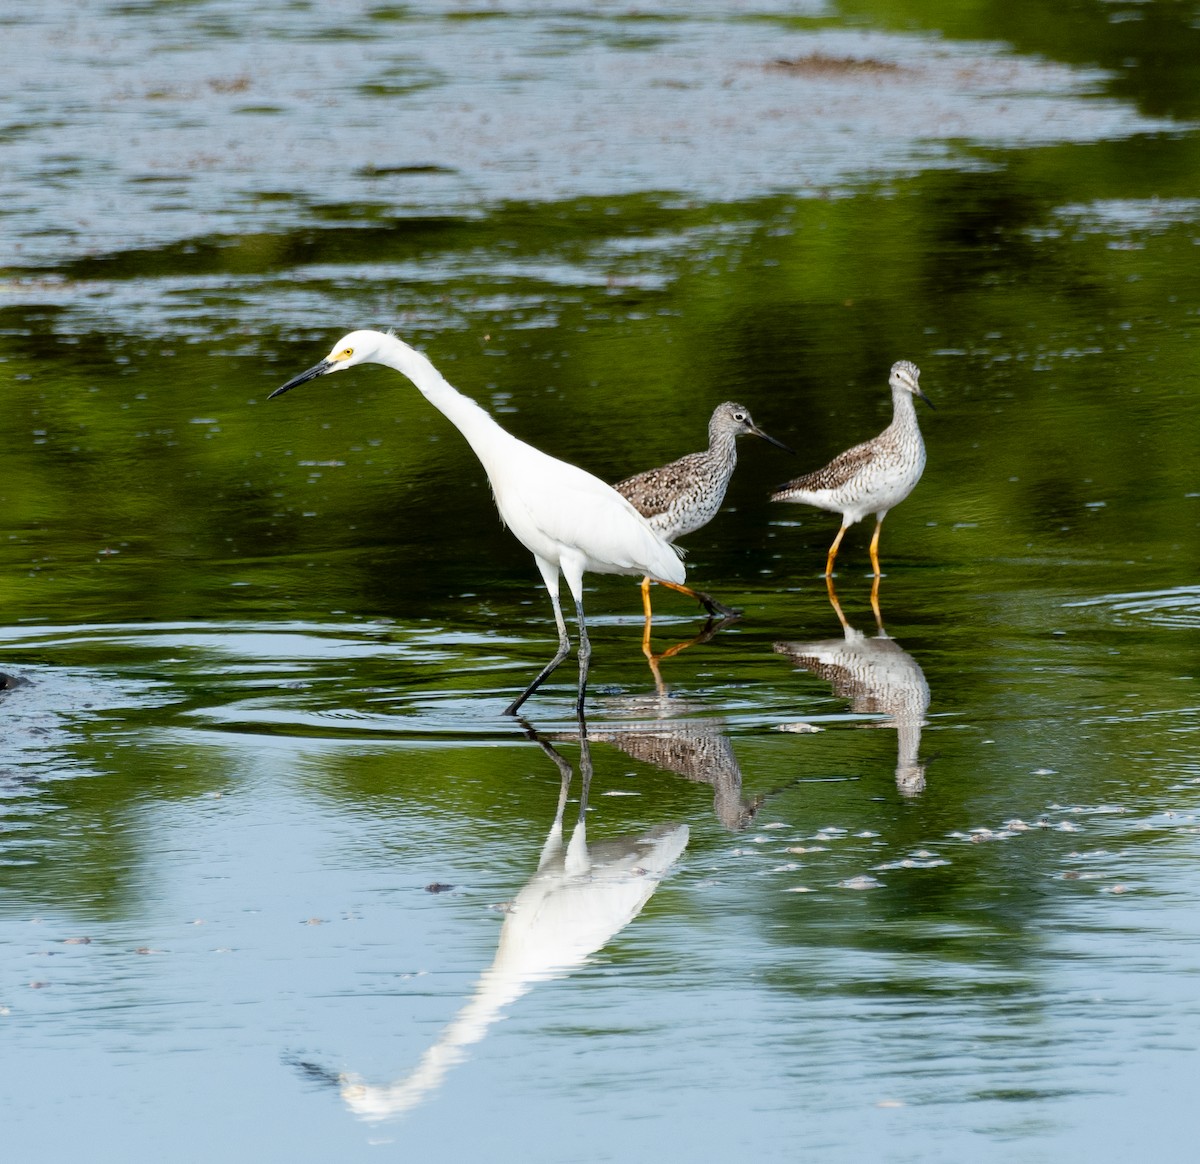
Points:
[(875, 546), (683, 590), (706, 600), (646, 628), (875, 604), (833, 549)]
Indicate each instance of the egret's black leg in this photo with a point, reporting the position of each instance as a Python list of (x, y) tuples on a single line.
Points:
[(564, 647), (585, 657)]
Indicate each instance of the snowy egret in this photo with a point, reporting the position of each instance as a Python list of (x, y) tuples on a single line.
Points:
[(872, 477), (681, 497), (569, 520)]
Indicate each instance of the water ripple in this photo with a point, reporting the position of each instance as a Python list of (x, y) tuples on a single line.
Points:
[(1177, 607)]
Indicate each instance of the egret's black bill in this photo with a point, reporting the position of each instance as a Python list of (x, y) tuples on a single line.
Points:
[(304, 377)]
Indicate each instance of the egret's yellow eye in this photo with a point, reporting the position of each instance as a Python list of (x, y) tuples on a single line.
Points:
[(345, 353)]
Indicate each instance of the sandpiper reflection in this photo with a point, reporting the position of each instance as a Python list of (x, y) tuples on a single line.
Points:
[(878, 677), (580, 897), (698, 750)]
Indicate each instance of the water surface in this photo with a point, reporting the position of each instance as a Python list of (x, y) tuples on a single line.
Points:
[(278, 878)]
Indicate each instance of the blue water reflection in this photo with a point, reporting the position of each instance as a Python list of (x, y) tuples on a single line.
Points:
[(259, 806)]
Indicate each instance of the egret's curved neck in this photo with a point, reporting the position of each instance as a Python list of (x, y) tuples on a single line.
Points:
[(477, 425)]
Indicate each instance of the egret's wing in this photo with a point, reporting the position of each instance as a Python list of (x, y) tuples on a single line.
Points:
[(560, 506)]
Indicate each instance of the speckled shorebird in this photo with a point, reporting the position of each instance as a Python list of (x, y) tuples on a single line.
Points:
[(681, 497), (872, 477)]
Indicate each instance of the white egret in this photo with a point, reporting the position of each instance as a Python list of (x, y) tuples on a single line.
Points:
[(569, 520)]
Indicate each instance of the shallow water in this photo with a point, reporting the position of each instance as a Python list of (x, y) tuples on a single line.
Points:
[(274, 865)]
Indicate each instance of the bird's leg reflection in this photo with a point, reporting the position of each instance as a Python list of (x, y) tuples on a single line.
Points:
[(878, 677), (837, 606), (875, 604), (577, 900), (711, 628)]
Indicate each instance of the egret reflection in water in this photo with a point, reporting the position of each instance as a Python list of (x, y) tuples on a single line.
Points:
[(580, 897), (878, 677)]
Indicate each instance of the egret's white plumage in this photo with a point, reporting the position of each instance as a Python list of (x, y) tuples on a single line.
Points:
[(571, 521)]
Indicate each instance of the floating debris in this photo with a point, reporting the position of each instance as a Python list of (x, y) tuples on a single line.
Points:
[(831, 833), (862, 881), (820, 64), (928, 862), (979, 835)]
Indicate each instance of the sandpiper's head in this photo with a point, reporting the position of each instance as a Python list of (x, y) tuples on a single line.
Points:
[(736, 419), (904, 377), (357, 347)]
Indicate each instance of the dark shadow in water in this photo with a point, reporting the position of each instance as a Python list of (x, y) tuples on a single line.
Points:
[(579, 898), (878, 677)]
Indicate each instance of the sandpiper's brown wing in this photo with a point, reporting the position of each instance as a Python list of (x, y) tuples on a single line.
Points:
[(843, 468), (656, 490)]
